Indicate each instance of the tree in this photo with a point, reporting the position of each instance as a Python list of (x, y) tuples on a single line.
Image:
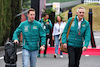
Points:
[(8, 10)]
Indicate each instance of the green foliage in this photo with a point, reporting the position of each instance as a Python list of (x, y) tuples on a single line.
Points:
[(48, 11), (26, 4), (51, 1), (6, 17), (93, 4), (16, 9)]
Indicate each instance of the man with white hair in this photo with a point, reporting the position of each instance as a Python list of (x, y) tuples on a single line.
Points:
[(79, 32)]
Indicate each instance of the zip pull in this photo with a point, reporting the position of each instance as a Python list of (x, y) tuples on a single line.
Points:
[(79, 32)]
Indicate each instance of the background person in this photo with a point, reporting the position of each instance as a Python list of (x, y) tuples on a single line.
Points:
[(79, 32), (57, 29), (32, 31), (47, 25)]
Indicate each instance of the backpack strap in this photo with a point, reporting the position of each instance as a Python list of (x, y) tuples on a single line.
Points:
[(68, 29)]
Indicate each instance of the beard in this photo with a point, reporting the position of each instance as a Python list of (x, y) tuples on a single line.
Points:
[(31, 20)]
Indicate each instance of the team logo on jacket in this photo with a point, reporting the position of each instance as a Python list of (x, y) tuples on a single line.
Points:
[(26, 28), (34, 27), (83, 25), (73, 24)]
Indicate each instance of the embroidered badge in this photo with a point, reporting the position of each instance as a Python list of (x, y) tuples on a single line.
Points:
[(34, 27), (26, 28), (83, 25)]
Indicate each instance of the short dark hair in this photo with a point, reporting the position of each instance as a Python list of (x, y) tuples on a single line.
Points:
[(31, 9), (44, 14)]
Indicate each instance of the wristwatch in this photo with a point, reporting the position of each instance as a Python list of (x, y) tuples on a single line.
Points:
[(43, 45)]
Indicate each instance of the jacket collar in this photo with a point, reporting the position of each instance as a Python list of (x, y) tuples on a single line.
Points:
[(31, 22), (82, 19)]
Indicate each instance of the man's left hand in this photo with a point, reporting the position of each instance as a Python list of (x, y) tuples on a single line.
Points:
[(84, 48), (42, 48), (47, 23)]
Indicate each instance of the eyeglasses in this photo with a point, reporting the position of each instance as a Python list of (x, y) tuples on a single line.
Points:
[(81, 12)]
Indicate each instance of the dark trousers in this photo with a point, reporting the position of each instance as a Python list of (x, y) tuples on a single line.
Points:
[(74, 55), (47, 36)]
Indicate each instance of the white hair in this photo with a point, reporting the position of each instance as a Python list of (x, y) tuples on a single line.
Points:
[(81, 8)]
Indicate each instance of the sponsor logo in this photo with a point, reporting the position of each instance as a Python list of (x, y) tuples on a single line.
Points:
[(26, 28), (34, 27), (83, 25)]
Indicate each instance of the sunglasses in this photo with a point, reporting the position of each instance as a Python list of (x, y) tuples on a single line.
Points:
[(81, 12)]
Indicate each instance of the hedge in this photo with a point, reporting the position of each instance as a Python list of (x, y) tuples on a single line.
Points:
[(8, 10)]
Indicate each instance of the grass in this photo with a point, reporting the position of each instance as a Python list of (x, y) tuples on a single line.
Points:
[(96, 14)]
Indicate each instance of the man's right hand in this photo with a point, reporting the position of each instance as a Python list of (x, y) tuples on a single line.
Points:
[(42, 48), (16, 41), (65, 45), (47, 23)]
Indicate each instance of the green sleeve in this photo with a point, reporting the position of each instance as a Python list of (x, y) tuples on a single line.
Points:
[(40, 21), (42, 35), (87, 35), (65, 31), (17, 32), (50, 24)]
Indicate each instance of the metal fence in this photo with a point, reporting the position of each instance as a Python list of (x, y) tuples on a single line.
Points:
[(51, 1), (91, 1)]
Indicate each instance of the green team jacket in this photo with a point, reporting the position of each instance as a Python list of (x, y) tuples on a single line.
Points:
[(48, 27), (74, 39), (32, 32)]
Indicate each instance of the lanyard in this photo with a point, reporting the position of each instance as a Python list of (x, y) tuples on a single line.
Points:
[(44, 27), (59, 28), (79, 28)]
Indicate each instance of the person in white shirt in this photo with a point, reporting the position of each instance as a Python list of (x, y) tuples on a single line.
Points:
[(57, 29)]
